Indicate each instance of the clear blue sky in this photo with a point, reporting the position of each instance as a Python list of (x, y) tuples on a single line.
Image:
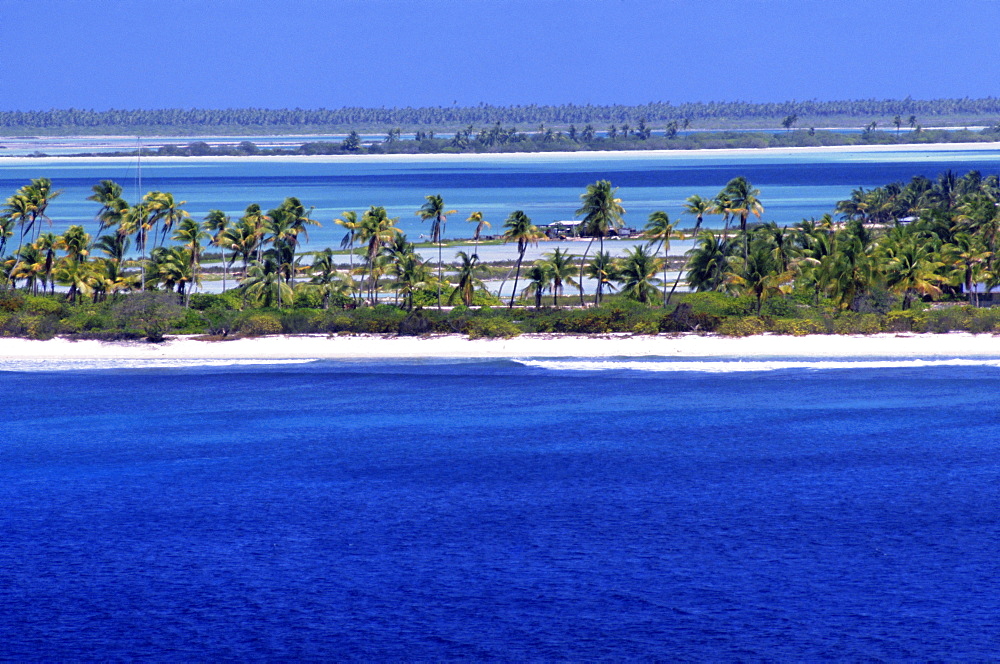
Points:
[(333, 53)]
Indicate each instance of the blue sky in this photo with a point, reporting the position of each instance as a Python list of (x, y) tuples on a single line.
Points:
[(312, 53)]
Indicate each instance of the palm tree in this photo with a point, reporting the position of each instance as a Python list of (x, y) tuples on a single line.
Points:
[(539, 278), (327, 279), (709, 262), (109, 194), (190, 233), (48, 243), (76, 243), (256, 220), (721, 205), (18, 210), (349, 220), (264, 284), (520, 230), (969, 256), (467, 279), (30, 266), (217, 223), (375, 230), (602, 213), (658, 231), (164, 210), (744, 200), (477, 219), (77, 275), (699, 207), (601, 269), (760, 274), (637, 274), (913, 271), (244, 241), (40, 194), (434, 211), (559, 265)]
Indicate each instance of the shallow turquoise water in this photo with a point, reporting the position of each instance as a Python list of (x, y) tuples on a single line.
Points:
[(793, 186)]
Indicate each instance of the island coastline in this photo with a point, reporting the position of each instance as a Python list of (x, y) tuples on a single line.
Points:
[(453, 346)]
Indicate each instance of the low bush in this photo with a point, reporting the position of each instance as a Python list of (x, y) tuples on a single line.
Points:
[(796, 327), (259, 324), (491, 328), (854, 323), (741, 327)]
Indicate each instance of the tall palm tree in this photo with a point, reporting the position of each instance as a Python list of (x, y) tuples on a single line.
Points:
[(520, 229), (433, 210), (376, 229), (165, 211), (48, 243), (602, 213), (699, 207), (468, 266), (109, 194), (190, 234), (477, 219), (744, 200), (349, 220), (217, 222), (658, 231)]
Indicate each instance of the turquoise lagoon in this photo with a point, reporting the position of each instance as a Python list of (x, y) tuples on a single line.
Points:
[(794, 184)]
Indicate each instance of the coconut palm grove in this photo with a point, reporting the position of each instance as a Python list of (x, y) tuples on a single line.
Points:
[(907, 256)]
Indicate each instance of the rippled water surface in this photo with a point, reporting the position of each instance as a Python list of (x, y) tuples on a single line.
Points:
[(794, 185), (496, 509)]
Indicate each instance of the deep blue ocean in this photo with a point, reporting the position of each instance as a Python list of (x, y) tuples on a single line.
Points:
[(505, 510)]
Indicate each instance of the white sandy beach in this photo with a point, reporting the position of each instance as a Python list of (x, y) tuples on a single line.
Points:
[(940, 346), (581, 155)]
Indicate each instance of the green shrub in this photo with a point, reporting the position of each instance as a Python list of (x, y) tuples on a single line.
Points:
[(11, 301), (491, 328), (259, 324), (900, 321), (794, 327), (219, 322), (853, 323), (43, 304), (646, 327), (720, 304), (301, 321), (741, 327)]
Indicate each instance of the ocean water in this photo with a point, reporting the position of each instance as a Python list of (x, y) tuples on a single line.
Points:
[(793, 185), (653, 509)]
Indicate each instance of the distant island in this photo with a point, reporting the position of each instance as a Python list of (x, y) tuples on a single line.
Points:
[(531, 128)]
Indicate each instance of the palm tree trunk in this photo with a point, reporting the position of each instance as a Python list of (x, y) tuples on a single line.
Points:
[(600, 282), (517, 276), (439, 274), (582, 262)]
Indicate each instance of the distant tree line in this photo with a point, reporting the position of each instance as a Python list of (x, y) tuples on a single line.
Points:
[(284, 119), (615, 137)]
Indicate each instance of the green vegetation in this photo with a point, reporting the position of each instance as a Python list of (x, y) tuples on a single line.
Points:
[(917, 256), (639, 119)]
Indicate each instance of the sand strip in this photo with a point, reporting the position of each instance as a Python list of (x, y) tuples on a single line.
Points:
[(954, 345)]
